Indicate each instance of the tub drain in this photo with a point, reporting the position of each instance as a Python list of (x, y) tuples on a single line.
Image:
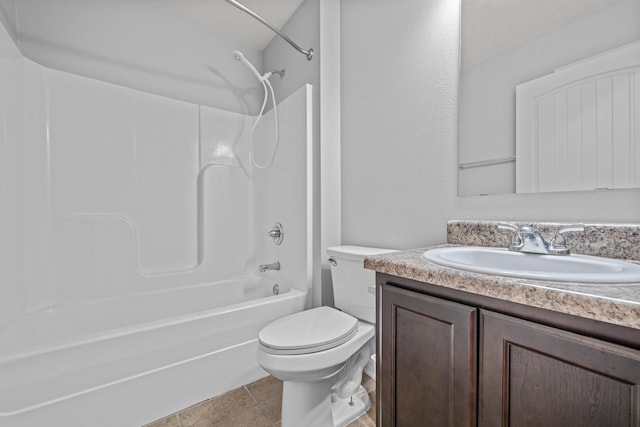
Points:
[(276, 289)]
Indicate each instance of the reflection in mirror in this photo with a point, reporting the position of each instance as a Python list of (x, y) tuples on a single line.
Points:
[(508, 44)]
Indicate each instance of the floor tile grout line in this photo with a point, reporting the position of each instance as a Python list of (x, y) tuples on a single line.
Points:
[(257, 404), (252, 396), (179, 419), (260, 407)]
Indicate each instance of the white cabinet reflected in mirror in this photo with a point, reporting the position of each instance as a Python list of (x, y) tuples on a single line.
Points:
[(575, 64)]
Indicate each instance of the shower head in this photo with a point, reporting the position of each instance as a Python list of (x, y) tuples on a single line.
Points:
[(240, 57)]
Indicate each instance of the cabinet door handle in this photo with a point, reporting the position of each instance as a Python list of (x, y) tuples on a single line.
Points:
[(372, 290)]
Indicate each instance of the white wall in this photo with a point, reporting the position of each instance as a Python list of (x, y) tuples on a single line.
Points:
[(399, 84), (399, 137), (137, 45)]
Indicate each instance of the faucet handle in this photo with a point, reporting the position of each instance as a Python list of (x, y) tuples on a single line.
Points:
[(573, 228), (558, 244), (516, 238), (276, 233), (508, 226)]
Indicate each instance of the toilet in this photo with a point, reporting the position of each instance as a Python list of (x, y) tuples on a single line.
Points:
[(320, 353)]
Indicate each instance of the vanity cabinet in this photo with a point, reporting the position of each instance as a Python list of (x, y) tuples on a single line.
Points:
[(429, 360), (451, 358)]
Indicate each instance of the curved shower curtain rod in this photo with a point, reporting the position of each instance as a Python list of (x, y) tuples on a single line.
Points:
[(307, 53)]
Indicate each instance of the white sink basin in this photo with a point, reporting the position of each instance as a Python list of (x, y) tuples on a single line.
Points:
[(568, 268)]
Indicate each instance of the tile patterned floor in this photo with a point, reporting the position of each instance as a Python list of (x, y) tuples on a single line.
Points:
[(254, 405)]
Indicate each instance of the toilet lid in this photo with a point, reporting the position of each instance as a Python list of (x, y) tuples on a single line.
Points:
[(309, 331)]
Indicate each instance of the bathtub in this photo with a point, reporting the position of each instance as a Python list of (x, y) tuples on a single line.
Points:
[(128, 361)]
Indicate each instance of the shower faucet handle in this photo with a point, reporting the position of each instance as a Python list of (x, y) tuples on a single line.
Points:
[(276, 233)]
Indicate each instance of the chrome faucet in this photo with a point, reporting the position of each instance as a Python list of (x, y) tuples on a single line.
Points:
[(273, 266), (528, 239)]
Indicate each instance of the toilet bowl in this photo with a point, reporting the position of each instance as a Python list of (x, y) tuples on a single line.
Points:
[(320, 354)]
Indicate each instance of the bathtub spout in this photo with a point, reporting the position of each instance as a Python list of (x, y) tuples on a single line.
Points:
[(265, 267)]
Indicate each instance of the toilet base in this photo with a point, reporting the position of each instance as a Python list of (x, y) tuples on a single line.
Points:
[(312, 406), (347, 410), (307, 404)]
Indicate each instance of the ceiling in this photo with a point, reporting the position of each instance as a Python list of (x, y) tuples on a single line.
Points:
[(230, 22)]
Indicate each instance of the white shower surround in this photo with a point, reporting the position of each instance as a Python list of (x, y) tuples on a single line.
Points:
[(111, 193)]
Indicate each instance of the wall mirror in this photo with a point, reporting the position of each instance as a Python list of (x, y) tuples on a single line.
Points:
[(549, 96)]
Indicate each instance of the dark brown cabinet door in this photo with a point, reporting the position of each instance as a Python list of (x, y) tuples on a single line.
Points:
[(534, 375), (427, 361)]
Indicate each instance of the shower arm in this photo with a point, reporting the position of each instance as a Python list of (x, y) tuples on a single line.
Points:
[(307, 53)]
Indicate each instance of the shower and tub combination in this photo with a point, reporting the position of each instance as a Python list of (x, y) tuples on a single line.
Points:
[(133, 243)]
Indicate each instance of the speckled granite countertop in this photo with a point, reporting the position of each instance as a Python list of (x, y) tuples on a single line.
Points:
[(616, 304)]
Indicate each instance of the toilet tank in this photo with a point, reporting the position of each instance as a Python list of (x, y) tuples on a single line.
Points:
[(353, 286)]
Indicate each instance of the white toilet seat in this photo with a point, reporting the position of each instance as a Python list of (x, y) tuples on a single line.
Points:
[(309, 331), (314, 366)]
